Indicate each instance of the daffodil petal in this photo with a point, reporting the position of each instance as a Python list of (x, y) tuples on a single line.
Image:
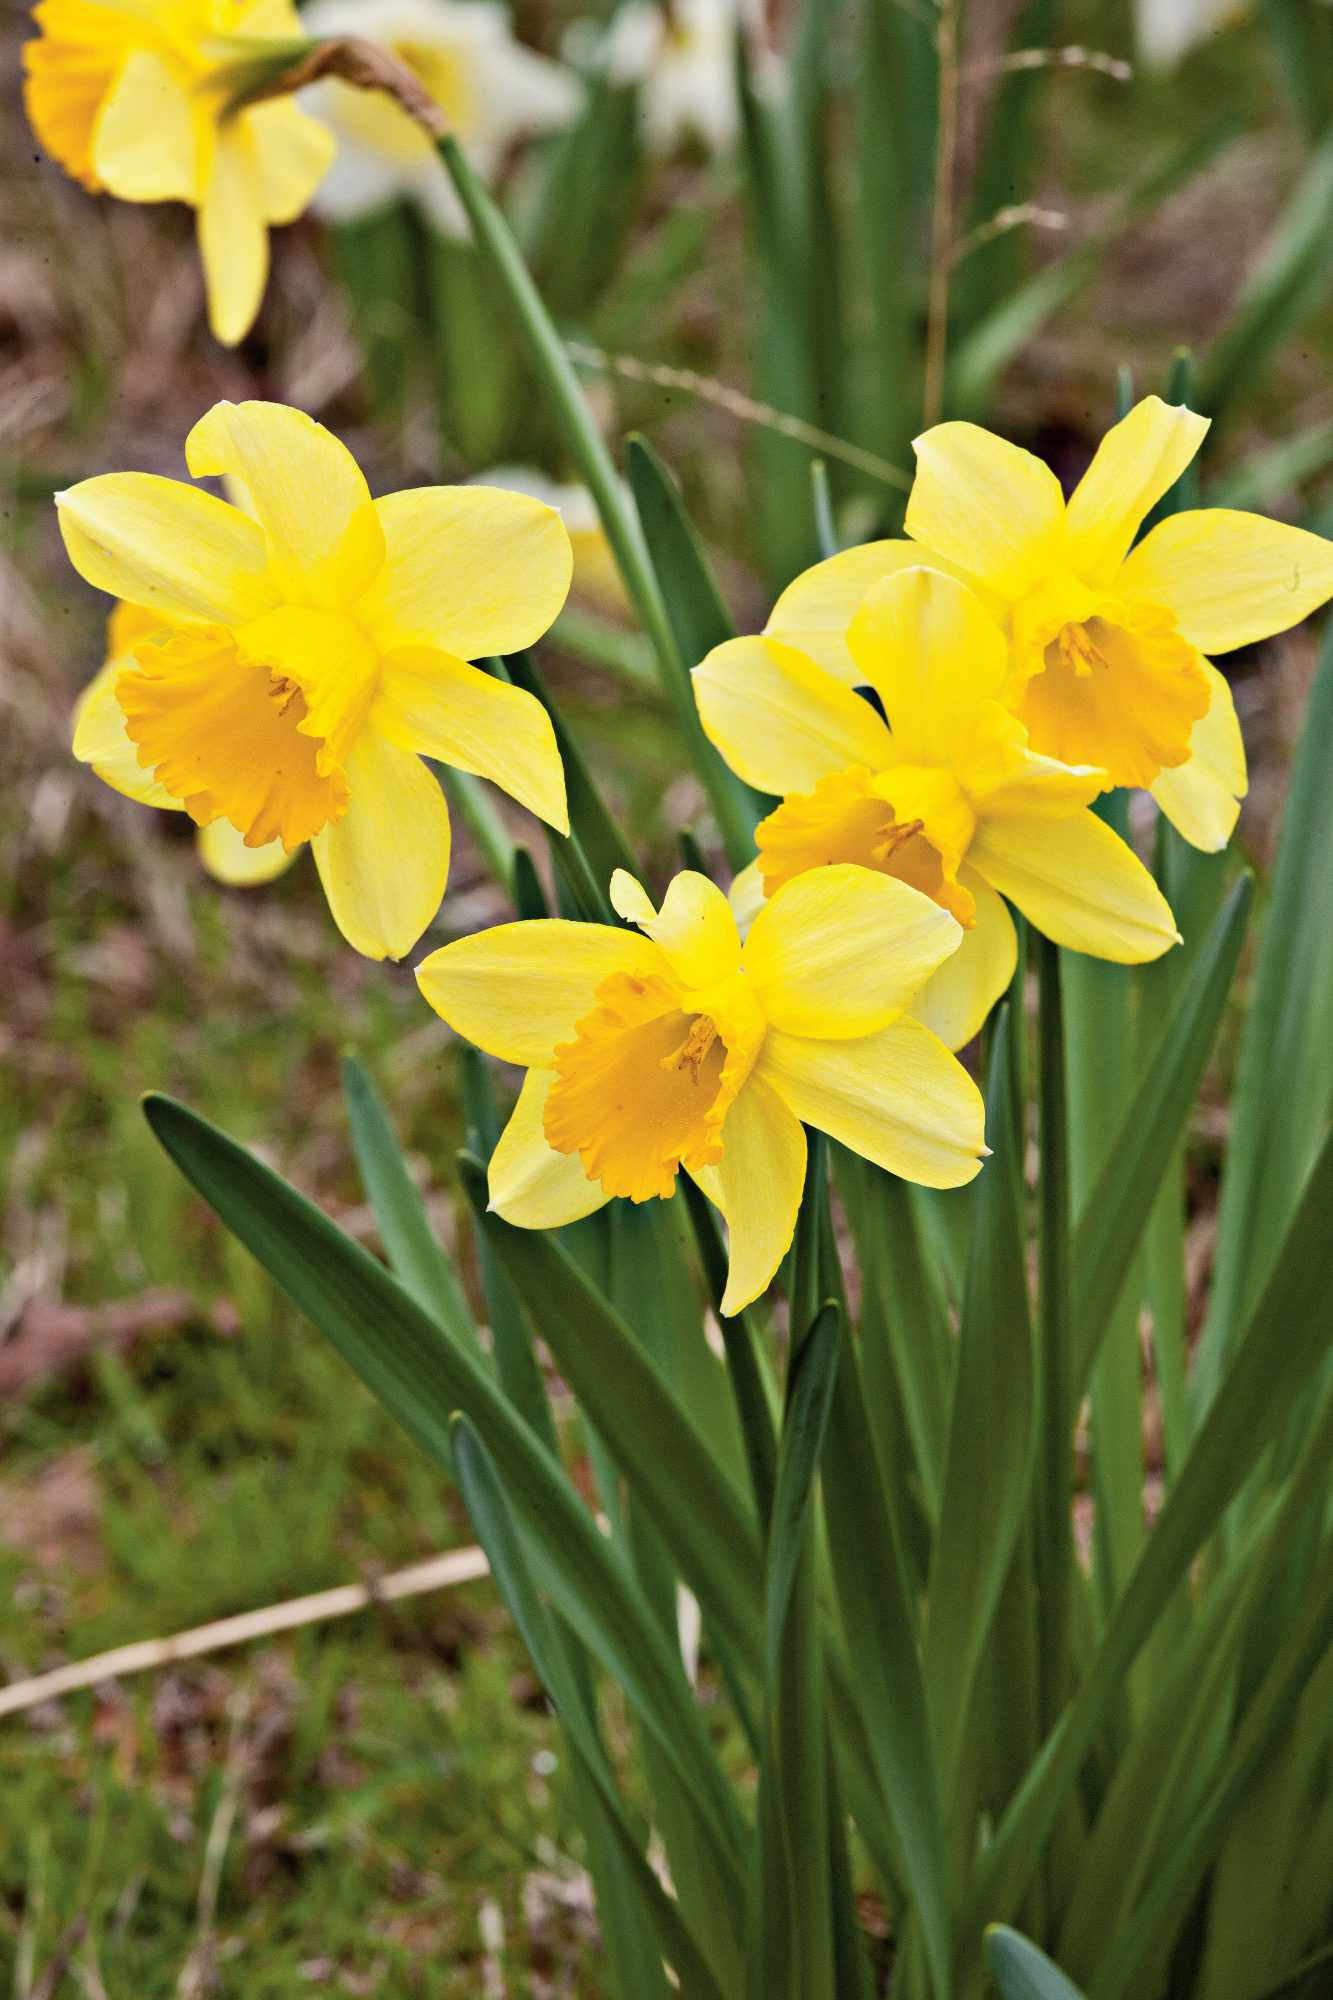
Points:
[(840, 951), (780, 721), (815, 610), (932, 653), (757, 1184), (307, 491), (520, 990), (1138, 460), (166, 545), (1079, 883), (1230, 578), (991, 509), (294, 152), (1040, 788), (233, 236), (454, 712), (100, 740), (694, 929), (145, 143), (471, 570), (1202, 796), (531, 1185), (956, 1000), (225, 855), (897, 1097), (746, 896), (385, 863)]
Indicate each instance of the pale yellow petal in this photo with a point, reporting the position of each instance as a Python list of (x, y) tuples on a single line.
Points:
[(1036, 787), (225, 855), (307, 491), (1230, 578), (100, 740), (472, 570), (233, 236), (385, 863), (955, 1002), (896, 1097), (519, 990), (166, 545), (1138, 460), (1201, 797), (294, 152), (841, 951), (1079, 883), (933, 654), (746, 896), (459, 715), (531, 1185), (146, 141), (988, 507), (780, 721), (757, 1184), (694, 929), (815, 610)]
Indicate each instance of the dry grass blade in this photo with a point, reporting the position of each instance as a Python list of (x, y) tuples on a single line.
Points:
[(145, 1655)]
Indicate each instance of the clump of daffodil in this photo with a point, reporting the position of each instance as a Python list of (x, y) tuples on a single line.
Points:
[(947, 795), (293, 661), (491, 90), (1108, 642), (136, 99), (684, 1047)]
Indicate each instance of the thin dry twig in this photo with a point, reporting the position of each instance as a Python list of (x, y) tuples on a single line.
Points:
[(441, 1572), (737, 404)]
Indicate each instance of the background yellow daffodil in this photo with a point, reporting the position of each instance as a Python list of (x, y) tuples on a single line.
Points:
[(685, 1047), (292, 665), (949, 798), (135, 100), (1108, 642)]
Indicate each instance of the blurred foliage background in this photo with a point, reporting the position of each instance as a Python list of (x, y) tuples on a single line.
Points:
[(377, 1806)]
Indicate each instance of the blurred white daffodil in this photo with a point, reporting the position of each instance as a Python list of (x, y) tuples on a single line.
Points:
[(1166, 30), (682, 54), (491, 89)]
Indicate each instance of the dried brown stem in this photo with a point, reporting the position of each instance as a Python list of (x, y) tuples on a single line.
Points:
[(366, 66)]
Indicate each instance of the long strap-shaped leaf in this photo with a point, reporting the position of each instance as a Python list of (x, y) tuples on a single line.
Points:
[(1109, 1228), (415, 1258), (791, 1943), (989, 1463), (1022, 1971), (496, 1531), (879, 1620), (423, 1377), (1285, 1342), (700, 621), (695, 1506)]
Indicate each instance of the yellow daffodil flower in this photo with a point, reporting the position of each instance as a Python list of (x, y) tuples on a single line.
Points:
[(950, 798), (1107, 641), (134, 99), (683, 1047), (294, 663)]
